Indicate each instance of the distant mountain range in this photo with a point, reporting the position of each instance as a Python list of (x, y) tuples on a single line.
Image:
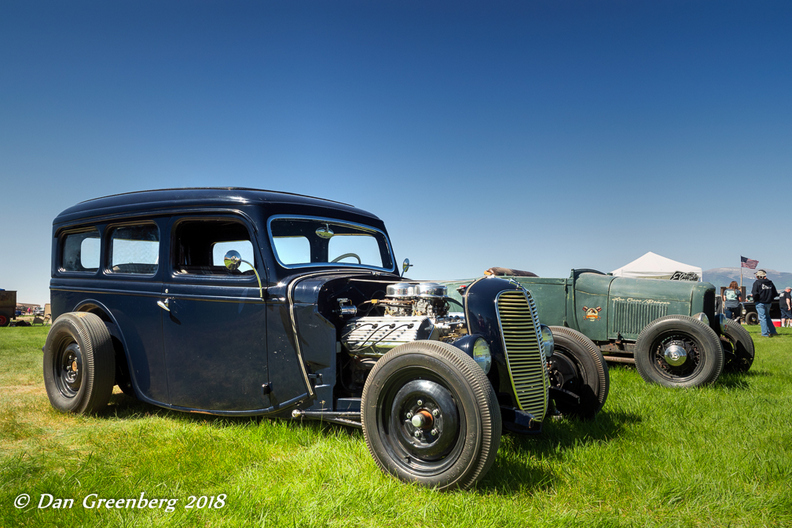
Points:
[(723, 276)]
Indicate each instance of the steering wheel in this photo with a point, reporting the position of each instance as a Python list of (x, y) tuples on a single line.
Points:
[(345, 255)]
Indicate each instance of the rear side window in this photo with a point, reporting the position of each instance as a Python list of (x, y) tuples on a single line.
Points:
[(201, 245), (80, 251), (134, 249)]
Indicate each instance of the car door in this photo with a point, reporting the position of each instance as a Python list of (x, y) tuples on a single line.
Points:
[(214, 319)]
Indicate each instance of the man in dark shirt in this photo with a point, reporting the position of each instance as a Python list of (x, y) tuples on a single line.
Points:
[(785, 303), (764, 291)]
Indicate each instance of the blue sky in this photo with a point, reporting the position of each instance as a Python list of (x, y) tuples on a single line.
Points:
[(540, 135)]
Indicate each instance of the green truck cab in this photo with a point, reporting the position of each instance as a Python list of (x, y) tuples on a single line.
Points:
[(669, 329)]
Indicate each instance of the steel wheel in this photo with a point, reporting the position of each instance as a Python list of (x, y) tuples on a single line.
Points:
[(68, 376), (430, 416), (79, 363)]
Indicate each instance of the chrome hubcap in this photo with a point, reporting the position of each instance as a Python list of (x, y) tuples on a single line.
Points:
[(675, 354)]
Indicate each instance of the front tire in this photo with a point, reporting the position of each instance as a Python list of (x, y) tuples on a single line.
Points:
[(678, 351), (739, 349), (577, 367), (752, 318), (79, 363), (430, 416)]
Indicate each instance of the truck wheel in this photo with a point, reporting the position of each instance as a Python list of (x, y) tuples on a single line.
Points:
[(739, 349), (752, 318), (678, 351), (577, 366), (79, 363), (3, 320), (430, 416)]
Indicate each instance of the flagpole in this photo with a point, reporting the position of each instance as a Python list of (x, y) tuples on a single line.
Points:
[(741, 274)]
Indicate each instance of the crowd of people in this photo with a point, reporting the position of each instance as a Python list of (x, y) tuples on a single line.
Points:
[(763, 293)]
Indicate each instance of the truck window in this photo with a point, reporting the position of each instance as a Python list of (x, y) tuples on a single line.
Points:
[(200, 245), (81, 251), (134, 249)]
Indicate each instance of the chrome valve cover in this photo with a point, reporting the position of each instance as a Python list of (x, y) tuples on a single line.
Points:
[(373, 336)]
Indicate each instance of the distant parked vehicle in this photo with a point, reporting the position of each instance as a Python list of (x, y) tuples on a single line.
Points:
[(751, 317), (7, 306), (669, 329)]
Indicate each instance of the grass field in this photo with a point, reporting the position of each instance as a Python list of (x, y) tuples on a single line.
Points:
[(716, 456)]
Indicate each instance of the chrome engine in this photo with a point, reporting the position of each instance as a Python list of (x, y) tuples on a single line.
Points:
[(409, 312)]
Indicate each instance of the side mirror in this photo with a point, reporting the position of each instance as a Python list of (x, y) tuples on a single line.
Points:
[(405, 266), (233, 260)]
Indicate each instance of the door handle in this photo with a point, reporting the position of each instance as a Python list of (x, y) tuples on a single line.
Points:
[(164, 305)]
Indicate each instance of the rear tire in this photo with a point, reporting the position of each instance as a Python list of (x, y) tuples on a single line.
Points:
[(430, 416), (752, 318), (739, 350), (678, 351), (577, 366), (79, 363)]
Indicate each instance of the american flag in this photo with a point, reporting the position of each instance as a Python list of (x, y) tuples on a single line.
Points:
[(748, 263)]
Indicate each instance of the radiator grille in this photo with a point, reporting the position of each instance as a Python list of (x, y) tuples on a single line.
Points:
[(522, 341), (632, 317)]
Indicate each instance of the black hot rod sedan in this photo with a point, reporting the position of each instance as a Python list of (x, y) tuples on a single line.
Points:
[(245, 302)]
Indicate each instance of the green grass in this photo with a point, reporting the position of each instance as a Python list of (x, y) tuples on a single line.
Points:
[(716, 456)]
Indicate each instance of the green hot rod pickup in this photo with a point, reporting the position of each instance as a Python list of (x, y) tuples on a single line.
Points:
[(668, 329)]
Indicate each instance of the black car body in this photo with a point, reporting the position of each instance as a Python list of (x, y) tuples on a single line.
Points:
[(246, 302)]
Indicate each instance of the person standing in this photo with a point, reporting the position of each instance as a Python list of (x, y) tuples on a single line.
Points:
[(785, 303), (732, 296), (764, 291)]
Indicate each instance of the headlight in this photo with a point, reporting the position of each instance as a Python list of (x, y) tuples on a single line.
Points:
[(547, 340), (482, 354), (722, 323), (701, 316)]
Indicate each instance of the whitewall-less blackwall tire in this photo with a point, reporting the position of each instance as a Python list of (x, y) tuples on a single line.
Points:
[(679, 351), (430, 416), (79, 363), (577, 366)]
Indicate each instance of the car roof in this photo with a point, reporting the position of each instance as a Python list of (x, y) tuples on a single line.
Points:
[(162, 199)]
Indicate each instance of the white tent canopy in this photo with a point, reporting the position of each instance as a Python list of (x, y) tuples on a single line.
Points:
[(654, 266)]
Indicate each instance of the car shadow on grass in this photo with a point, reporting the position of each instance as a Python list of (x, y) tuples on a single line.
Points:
[(520, 466), (128, 408)]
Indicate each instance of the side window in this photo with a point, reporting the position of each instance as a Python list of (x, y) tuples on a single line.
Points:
[(200, 245), (243, 247), (80, 251), (134, 249)]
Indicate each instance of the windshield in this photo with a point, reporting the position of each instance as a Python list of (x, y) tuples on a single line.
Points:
[(312, 241)]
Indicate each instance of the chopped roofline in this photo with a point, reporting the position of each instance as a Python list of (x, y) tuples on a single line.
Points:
[(155, 199), (253, 189)]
